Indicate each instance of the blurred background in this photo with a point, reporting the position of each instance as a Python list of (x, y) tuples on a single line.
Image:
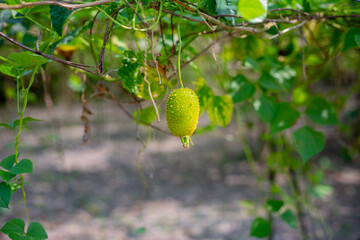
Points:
[(97, 191)]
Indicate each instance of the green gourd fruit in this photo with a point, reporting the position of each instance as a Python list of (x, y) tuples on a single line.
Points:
[(182, 113)]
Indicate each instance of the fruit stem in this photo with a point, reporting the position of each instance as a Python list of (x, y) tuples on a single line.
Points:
[(186, 141), (179, 52)]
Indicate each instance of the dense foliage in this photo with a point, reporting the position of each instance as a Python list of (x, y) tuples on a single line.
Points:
[(292, 63)]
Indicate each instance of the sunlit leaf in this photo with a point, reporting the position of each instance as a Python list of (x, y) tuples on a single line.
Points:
[(146, 116), (250, 10), (27, 59), (220, 110), (204, 93), (75, 83)]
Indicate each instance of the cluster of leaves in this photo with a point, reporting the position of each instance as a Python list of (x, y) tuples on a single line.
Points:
[(15, 229), (19, 65)]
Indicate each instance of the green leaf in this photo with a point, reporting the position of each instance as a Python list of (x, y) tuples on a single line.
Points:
[(321, 190), (71, 36), (265, 108), (260, 228), (306, 6), (251, 9), (6, 176), (140, 230), (75, 83), (350, 40), (321, 112), (226, 7), (204, 93), (205, 129), (5, 15), (309, 142), (26, 120), (209, 6), (36, 231), (129, 71), (27, 59), (220, 110), (300, 96), (274, 205), (268, 82), (5, 195), (146, 116), (13, 70), (24, 166), (251, 63), (289, 217), (243, 90), (284, 77), (9, 69), (17, 236), (8, 162), (16, 225), (16, 123), (7, 125), (58, 18), (158, 90), (357, 39), (280, 115), (23, 11), (284, 117)]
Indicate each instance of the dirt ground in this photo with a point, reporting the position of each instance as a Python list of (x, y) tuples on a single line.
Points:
[(96, 192)]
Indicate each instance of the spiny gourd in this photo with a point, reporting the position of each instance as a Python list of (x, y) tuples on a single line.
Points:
[(182, 113)]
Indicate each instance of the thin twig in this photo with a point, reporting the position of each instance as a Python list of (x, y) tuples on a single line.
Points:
[(288, 29), (38, 41), (293, 10), (186, 17), (146, 25), (106, 39), (164, 46), (199, 54), (72, 64), (91, 37), (203, 33), (148, 83), (213, 46), (65, 4), (127, 113)]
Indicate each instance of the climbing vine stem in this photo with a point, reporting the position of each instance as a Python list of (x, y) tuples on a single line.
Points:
[(132, 27), (179, 52), (25, 92)]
